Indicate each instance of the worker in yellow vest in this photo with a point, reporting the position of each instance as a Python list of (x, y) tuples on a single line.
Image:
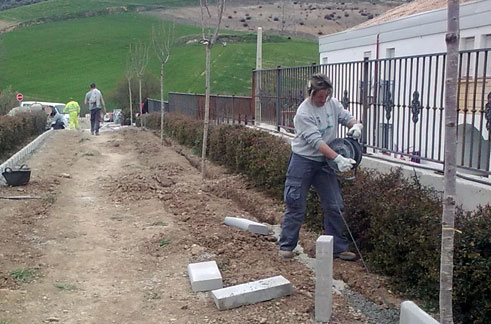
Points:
[(73, 109)]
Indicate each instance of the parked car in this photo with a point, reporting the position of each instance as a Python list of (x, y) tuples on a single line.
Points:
[(109, 117), (56, 119)]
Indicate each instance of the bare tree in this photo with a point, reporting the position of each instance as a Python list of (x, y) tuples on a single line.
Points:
[(208, 39), (163, 39), (448, 217), (129, 73), (140, 59)]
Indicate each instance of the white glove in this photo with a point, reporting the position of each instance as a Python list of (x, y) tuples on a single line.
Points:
[(344, 164), (355, 131)]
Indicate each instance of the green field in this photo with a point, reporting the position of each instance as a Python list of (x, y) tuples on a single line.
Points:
[(56, 60), (57, 9)]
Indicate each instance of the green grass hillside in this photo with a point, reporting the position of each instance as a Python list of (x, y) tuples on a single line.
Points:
[(54, 61), (58, 9)]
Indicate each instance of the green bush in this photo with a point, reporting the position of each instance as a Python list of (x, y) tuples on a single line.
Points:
[(8, 100), (472, 266), (399, 223), (14, 130), (396, 221)]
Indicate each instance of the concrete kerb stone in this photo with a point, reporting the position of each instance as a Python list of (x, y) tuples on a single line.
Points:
[(247, 225), (323, 278), (205, 276), (412, 314), (252, 292), (23, 154)]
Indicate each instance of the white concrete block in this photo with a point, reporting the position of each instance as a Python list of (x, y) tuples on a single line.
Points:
[(205, 276), (252, 292), (323, 277), (412, 314), (248, 225)]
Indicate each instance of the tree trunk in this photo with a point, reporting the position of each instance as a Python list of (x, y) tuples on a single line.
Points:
[(207, 109), (140, 100), (131, 104), (162, 104), (448, 217)]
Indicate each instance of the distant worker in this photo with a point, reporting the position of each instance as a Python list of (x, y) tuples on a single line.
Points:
[(57, 121), (73, 109), (96, 103)]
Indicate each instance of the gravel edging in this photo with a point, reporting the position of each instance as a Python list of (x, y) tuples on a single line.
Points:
[(374, 313)]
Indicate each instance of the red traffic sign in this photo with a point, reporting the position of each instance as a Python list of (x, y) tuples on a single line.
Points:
[(20, 97)]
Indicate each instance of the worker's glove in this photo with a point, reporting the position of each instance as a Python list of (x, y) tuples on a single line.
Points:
[(344, 164), (355, 131)]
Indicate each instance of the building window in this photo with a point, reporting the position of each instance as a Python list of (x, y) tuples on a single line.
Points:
[(486, 41), (324, 60), (385, 136), (467, 43), (367, 54), (390, 52)]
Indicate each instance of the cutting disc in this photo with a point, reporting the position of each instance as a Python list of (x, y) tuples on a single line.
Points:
[(345, 148)]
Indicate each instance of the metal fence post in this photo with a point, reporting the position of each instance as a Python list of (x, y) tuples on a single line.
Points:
[(365, 105), (278, 98)]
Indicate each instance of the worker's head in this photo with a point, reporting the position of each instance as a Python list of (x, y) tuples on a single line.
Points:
[(319, 89), (92, 85), (70, 99)]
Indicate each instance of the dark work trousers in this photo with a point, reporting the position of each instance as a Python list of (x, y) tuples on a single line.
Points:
[(95, 118), (301, 174)]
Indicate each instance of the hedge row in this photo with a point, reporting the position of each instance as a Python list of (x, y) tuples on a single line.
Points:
[(14, 130), (395, 220)]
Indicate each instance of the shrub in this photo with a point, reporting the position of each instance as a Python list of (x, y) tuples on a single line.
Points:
[(8, 100), (14, 130), (472, 263)]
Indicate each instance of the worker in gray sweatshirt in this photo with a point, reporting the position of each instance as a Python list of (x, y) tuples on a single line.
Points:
[(316, 125)]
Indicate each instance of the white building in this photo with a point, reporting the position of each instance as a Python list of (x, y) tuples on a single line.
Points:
[(391, 42), (415, 34)]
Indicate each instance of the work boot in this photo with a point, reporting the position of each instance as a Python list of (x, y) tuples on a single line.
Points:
[(286, 254), (346, 256)]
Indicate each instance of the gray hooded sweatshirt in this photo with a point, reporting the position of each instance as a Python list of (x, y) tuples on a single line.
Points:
[(314, 125)]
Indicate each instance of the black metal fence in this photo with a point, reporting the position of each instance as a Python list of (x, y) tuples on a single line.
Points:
[(223, 109), (400, 101)]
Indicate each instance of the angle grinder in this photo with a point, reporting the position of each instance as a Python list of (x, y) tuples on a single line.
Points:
[(349, 148)]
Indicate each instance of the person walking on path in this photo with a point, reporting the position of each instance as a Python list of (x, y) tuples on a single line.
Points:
[(73, 110), (96, 103), (316, 125)]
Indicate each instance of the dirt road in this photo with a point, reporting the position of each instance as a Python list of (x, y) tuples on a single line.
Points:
[(119, 219)]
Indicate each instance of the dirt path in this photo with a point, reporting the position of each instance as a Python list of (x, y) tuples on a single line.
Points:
[(120, 219)]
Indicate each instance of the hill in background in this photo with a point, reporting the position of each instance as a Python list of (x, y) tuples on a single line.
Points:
[(9, 4), (305, 19)]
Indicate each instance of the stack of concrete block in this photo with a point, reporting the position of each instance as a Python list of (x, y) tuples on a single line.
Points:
[(247, 225), (205, 276), (252, 292), (412, 314)]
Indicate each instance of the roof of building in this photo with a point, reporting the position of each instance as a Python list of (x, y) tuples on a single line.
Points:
[(473, 14), (408, 9)]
